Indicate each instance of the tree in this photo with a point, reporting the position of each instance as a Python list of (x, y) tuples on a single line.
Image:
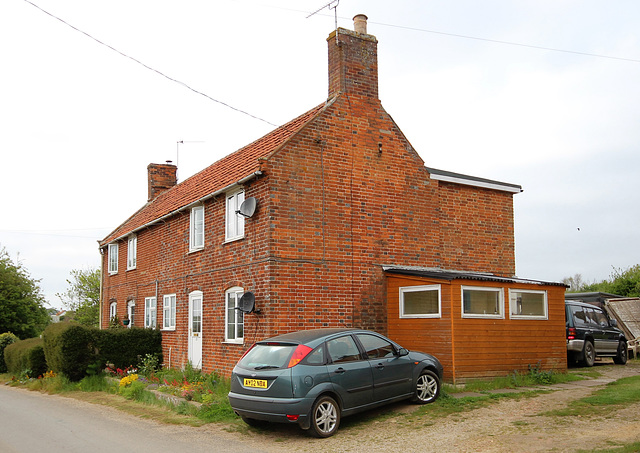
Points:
[(83, 296), (22, 308), (625, 283), (574, 283)]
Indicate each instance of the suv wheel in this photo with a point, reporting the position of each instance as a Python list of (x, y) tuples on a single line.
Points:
[(589, 353), (621, 357)]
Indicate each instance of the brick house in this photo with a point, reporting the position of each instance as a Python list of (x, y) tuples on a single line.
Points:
[(340, 194)]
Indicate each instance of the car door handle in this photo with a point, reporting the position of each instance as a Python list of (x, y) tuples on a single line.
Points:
[(340, 370), (380, 366)]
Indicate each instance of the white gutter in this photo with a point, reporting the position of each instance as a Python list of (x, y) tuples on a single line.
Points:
[(185, 207), (476, 183)]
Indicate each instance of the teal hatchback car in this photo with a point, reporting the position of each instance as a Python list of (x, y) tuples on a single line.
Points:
[(315, 377)]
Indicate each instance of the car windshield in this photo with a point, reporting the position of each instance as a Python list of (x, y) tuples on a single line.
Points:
[(267, 356)]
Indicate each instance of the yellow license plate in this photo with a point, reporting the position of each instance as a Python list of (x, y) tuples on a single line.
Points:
[(255, 383)]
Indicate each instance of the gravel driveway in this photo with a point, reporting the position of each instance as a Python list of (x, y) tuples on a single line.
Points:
[(507, 426)]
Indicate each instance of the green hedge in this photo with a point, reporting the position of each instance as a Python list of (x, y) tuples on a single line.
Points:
[(69, 349), (26, 356), (6, 339), (125, 347), (75, 350)]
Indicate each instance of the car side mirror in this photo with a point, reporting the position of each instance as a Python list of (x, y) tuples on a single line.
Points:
[(402, 352), (614, 323)]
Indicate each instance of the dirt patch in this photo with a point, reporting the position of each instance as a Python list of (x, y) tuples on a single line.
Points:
[(507, 426)]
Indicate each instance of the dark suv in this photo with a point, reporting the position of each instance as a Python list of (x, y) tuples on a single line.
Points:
[(591, 333)]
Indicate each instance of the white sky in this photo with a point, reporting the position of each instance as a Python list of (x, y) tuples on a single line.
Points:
[(80, 122)]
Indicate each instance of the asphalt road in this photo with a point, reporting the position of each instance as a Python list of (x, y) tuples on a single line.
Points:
[(31, 422)]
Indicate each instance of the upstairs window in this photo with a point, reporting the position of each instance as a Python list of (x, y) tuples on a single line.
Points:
[(420, 301), (132, 252), (196, 229), (234, 221), (528, 304), (113, 258), (169, 312), (150, 312), (480, 302), (234, 318)]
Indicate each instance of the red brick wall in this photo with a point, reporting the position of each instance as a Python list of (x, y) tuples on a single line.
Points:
[(476, 229)]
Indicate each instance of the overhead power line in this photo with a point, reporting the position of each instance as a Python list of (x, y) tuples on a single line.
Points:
[(150, 68)]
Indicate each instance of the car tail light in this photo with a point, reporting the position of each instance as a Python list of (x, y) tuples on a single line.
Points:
[(293, 417), (571, 335), (299, 354), (247, 351)]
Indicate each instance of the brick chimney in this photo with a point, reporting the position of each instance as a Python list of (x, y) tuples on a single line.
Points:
[(160, 178), (353, 61)]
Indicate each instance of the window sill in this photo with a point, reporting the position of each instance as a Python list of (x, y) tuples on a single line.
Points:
[(239, 342), (473, 316), (199, 249), (168, 329), (425, 316), (229, 240)]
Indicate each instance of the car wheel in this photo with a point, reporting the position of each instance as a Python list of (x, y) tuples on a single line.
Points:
[(621, 358), (325, 417), (427, 387), (589, 353)]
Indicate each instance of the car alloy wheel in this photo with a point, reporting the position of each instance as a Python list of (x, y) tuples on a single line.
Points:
[(427, 387), (325, 417)]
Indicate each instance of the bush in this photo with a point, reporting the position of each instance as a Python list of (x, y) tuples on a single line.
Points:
[(126, 347), (69, 349), (77, 351), (6, 339), (26, 356)]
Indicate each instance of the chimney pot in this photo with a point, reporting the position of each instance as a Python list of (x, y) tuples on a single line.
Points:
[(360, 23)]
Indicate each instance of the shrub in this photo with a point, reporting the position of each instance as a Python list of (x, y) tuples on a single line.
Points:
[(125, 347), (6, 339), (69, 349), (26, 356)]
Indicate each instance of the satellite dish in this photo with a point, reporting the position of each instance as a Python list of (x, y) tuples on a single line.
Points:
[(248, 207), (247, 302)]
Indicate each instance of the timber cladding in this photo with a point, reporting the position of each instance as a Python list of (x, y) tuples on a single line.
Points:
[(472, 348)]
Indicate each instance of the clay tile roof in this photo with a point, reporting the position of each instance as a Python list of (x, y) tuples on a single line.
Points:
[(218, 176)]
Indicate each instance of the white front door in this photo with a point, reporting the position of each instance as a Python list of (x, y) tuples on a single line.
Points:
[(195, 329)]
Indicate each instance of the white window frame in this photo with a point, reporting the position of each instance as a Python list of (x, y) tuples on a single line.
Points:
[(113, 310), (513, 304), (132, 252), (196, 229), (150, 312), (234, 222), (131, 312), (169, 312), (112, 258), (499, 291), (233, 295), (414, 289)]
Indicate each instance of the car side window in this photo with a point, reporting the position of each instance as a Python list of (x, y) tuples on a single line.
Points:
[(343, 349), (376, 347), (579, 317), (602, 319), (315, 357), (592, 317)]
